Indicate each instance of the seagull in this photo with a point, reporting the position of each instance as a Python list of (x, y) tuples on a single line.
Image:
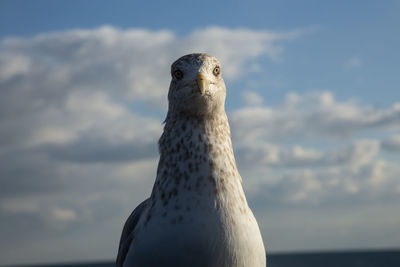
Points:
[(197, 214)]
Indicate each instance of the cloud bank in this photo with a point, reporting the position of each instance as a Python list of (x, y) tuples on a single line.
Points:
[(81, 112)]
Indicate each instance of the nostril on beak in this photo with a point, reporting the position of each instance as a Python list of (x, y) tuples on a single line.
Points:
[(202, 83)]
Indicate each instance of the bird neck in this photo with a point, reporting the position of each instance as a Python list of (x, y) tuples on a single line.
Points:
[(195, 151)]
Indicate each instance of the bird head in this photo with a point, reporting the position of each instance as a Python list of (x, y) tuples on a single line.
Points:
[(197, 87)]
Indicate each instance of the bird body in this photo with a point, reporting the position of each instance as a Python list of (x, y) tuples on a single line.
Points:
[(197, 214)]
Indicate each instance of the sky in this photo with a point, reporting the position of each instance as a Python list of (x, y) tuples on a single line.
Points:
[(313, 101)]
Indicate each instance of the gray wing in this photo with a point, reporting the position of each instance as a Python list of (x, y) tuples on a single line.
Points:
[(127, 233)]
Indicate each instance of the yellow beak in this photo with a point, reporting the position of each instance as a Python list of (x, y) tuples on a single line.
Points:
[(202, 83)]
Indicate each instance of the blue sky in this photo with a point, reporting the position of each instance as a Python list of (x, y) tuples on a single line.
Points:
[(313, 103), (337, 33)]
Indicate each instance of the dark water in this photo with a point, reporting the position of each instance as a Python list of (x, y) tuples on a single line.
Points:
[(336, 259), (342, 259)]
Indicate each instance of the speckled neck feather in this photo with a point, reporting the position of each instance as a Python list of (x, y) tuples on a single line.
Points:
[(196, 158), (201, 142)]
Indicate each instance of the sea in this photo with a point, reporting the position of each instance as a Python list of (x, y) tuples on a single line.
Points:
[(384, 258)]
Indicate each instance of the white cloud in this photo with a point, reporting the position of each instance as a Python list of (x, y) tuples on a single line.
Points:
[(72, 95), (252, 98), (304, 175), (356, 155), (16, 65), (63, 214), (314, 115), (353, 62), (19, 205), (308, 150), (234, 48), (392, 143), (53, 77), (128, 63), (334, 185)]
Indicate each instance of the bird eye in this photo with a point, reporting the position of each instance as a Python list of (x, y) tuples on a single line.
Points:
[(178, 74), (216, 70)]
